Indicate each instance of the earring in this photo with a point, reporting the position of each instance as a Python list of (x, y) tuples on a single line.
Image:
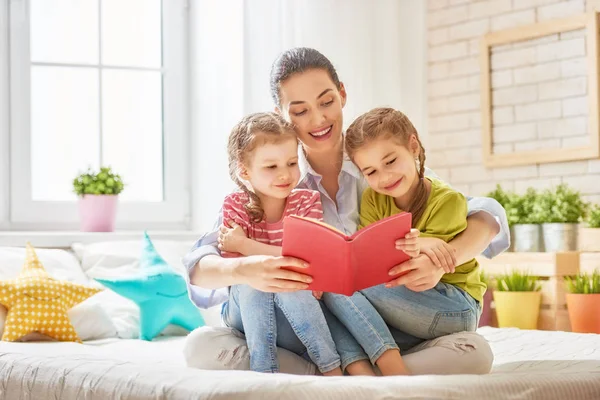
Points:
[(418, 164)]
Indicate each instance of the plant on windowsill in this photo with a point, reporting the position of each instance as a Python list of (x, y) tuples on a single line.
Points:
[(560, 210), (583, 302), (517, 297), (589, 233), (98, 197)]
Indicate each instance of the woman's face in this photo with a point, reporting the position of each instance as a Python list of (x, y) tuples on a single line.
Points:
[(313, 104)]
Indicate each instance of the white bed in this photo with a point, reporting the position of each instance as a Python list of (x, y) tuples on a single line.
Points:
[(528, 365)]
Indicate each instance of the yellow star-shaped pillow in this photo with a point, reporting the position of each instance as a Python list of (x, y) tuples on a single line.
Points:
[(38, 303)]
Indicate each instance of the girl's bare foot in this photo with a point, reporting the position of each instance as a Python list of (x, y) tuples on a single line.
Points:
[(391, 363), (334, 372), (361, 367)]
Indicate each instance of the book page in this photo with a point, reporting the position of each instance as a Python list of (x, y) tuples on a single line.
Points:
[(373, 251)]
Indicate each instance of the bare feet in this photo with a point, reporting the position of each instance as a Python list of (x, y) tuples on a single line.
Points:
[(391, 363), (334, 372), (361, 367)]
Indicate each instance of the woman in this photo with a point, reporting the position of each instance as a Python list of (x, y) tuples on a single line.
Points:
[(308, 93)]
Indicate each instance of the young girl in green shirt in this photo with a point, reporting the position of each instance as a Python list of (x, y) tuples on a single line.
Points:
[(385, 147)]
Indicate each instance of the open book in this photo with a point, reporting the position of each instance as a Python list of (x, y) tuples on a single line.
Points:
[(345, 264)]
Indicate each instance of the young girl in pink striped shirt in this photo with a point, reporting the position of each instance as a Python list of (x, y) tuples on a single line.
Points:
[(263, 162)]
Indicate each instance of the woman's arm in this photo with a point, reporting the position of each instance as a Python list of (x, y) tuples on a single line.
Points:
[(264, 273), (482, 228)]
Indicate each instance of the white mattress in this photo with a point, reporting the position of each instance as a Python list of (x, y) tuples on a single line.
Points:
[(528, 365)]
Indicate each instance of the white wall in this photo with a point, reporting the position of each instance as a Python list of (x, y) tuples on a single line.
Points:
[(378, 48)]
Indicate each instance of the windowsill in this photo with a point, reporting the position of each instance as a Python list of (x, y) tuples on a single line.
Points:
[(64, 239)]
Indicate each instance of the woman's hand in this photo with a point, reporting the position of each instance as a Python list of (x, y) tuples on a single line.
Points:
[(441, 253), (410, 244), (266, 273), (419, 274), (232, 239)]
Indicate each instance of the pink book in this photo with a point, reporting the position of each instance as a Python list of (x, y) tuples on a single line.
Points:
[(345, 264)]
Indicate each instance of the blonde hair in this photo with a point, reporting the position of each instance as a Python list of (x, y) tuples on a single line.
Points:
[(387, 123), (252, 131)]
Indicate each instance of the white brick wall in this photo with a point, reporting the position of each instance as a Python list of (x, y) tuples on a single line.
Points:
[(539, 96)]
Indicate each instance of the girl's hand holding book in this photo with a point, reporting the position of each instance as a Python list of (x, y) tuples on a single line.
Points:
[(410, 244)]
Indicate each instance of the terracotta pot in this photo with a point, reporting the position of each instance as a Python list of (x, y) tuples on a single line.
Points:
[(584, 312)]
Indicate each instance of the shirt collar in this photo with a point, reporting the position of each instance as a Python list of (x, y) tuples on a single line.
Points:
[(307, 170)]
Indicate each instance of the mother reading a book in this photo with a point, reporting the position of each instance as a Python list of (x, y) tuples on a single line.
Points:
[(307, 92)]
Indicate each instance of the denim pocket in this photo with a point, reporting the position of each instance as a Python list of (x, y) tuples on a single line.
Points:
[(448, 322)]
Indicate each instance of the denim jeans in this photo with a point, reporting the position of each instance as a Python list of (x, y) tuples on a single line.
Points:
[(295, 321), (383, 318)]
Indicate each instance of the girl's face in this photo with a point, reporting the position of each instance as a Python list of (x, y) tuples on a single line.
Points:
[(313, 104), (272, 168), (388, 166)]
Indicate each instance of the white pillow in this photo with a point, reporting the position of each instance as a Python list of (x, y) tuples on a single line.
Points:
[(60, 264), (110, 259), (88, 318), (121, 259)]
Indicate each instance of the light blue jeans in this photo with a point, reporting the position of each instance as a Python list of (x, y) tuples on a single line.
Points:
[(295, 321), (397, 318)]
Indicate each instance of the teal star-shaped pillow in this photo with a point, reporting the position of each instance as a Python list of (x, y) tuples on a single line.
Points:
[(160, 293)]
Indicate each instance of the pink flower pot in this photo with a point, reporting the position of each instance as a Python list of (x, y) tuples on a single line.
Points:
[(98, 213), (486, 312)]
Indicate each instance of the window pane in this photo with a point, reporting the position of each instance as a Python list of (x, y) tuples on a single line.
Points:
[(64, 129), (64, 31), (132, 131), (131, 33)]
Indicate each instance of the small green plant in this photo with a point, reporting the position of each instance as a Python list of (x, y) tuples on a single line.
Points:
[(510, 202), (584, 283), (517, 282), (521, 208), (105, 182), (593, 218), (561, 205)]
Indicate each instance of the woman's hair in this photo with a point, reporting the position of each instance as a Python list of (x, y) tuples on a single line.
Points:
[(252, 131), (387, 123), (295, 61)]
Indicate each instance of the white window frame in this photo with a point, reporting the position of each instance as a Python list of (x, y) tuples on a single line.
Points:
[(171, 214), (4, 118)]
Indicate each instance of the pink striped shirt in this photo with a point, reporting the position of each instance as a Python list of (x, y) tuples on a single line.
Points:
[(301, 202)]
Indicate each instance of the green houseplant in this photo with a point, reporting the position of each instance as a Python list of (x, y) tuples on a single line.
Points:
[(560, 210), (583, 302), (98, 197), (525, 228), (517, 297), (589, 234)]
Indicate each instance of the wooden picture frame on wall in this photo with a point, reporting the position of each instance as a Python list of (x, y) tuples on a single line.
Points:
[(588, 22)]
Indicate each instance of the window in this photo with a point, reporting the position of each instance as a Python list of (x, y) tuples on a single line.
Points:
[(98, 82)]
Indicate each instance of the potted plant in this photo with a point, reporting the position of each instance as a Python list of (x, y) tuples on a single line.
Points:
[(560, 210), (589, 234), (517, 298), (98, 196), (527, 236), (486, 312), (583, 302)]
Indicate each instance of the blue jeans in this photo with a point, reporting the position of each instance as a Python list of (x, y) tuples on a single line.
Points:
[(397, 318), (295, 321)]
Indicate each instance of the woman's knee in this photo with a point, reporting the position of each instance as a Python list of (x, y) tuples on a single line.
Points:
[(216, 348)]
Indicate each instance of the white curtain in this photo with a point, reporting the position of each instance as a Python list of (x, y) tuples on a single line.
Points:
[(378, 48)]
